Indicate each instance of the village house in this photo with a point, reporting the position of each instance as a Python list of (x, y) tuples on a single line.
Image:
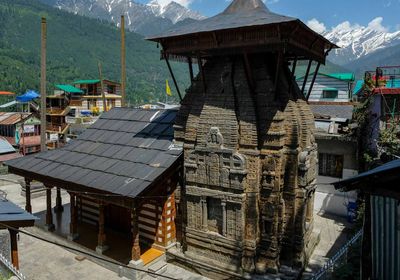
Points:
[(57, 109), (381, 230), (92, 99), (331, 101), (246, 129), (22, 131)]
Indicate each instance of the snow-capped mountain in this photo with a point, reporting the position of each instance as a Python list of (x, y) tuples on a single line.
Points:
[(359, 41), (145, 19)]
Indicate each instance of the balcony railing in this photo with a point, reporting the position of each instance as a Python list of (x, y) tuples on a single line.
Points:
[(56, 127)]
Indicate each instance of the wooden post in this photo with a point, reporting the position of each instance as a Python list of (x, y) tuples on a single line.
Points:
[(173, 76), (277, 73), (49, 216), (203, 76), (101, 238), (58, 208), (135, 235), (14, 248), (43, 94), (103, 95), (313, 80), (306, 77), (190, 69), (73, 225), (123, 63), (28, 205)]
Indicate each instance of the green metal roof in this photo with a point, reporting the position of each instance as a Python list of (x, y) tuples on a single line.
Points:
[(86, 82), (330, 89), (342, 76), (69, 88)]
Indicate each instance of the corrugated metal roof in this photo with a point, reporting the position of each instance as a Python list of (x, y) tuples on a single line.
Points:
[(128, 146), (86, 82), (12, 118), (69, 88), (349, 77), (359, 85)]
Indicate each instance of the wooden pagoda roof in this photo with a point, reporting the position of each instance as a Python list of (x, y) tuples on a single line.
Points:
[(244, 24), (124, 153)]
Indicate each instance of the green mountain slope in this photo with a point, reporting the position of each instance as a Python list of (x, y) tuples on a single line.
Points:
[(75, 45)]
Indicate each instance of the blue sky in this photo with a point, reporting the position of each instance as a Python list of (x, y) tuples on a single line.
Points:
[(330, 13)]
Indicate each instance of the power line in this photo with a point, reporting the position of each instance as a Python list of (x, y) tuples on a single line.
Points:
[(85, 253)]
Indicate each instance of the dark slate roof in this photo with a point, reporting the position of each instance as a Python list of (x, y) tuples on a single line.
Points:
[(240, 13), (333, 111), (9, 212), (389, 172), (121, 153)]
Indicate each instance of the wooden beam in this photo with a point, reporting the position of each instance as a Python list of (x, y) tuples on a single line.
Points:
[(201, 69), (313, 80), (123, 63), (306, 77), (14, 248), (49, 216), (249, 73), (43, 146), (28, 205), (135, 234), (292, 81), (73, 225), (277, 73), (58, 208), (190, 62), (173, 77), (101, 237)]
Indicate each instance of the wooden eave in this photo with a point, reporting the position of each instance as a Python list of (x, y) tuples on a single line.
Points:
[(17, 224), (123, 201), (294, 38)]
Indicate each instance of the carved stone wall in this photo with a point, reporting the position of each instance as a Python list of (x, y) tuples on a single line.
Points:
[(250, 166)]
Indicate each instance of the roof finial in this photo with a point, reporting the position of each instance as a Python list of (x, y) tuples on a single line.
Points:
[(245, 5)]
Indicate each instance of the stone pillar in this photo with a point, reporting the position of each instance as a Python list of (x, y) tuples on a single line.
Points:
[(58, 208), (73, 225), (101, 238), (224, 221), (204, 209), (49, 216), (28, 205), (14, 248), (135, 236)]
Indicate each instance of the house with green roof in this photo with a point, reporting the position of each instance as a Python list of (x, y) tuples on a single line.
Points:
[(333, 87)]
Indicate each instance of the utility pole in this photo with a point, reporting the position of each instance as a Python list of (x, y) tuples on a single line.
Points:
[(43, 146), (123, 63), (103, 95)]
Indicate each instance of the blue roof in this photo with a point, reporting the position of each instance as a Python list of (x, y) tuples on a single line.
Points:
[(6, 147), (9, 212), (393, 83), (28, 96)]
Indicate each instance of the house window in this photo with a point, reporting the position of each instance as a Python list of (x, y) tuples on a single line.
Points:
[(330, 165), (330, 93), (214, 215)]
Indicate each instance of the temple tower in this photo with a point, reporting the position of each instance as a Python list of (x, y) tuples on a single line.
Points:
[(247, 132)]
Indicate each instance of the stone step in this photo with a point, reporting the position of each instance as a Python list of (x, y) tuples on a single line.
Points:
[(159, 267)]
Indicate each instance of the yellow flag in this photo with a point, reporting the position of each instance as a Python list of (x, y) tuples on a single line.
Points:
[(168, 89)]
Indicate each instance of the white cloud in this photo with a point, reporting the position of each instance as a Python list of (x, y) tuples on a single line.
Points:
[(317, 26), (376, 24)]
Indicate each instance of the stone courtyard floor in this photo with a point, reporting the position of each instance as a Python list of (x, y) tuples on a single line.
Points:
[(41, 260)]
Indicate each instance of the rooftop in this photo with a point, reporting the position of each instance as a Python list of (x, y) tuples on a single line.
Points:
[(69, 88), (122, 153)]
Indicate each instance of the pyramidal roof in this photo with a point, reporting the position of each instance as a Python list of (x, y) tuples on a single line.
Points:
[(240, 13)]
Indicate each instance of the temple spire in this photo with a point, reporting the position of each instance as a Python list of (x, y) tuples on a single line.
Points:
[(245, 5)]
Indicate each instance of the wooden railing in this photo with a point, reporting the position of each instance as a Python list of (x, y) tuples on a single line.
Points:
[(56, 127), (75, 103)]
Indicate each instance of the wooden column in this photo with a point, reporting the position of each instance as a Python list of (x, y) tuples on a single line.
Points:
[(73, 225), (14, 248), (49, 216), (135, 235), (101, 238), (28, 205), (58, 208)]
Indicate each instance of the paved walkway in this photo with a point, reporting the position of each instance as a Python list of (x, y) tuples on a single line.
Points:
[(334, 234)]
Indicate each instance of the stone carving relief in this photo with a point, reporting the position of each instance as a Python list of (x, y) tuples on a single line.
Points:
[(215, 138)]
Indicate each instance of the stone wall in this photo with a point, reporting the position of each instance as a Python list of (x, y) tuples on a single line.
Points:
[(250, 165)]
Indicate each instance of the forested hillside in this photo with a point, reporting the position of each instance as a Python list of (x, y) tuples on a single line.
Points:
[(75, 45)]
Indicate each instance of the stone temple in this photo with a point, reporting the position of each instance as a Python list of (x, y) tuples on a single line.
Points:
[(250, 157)]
